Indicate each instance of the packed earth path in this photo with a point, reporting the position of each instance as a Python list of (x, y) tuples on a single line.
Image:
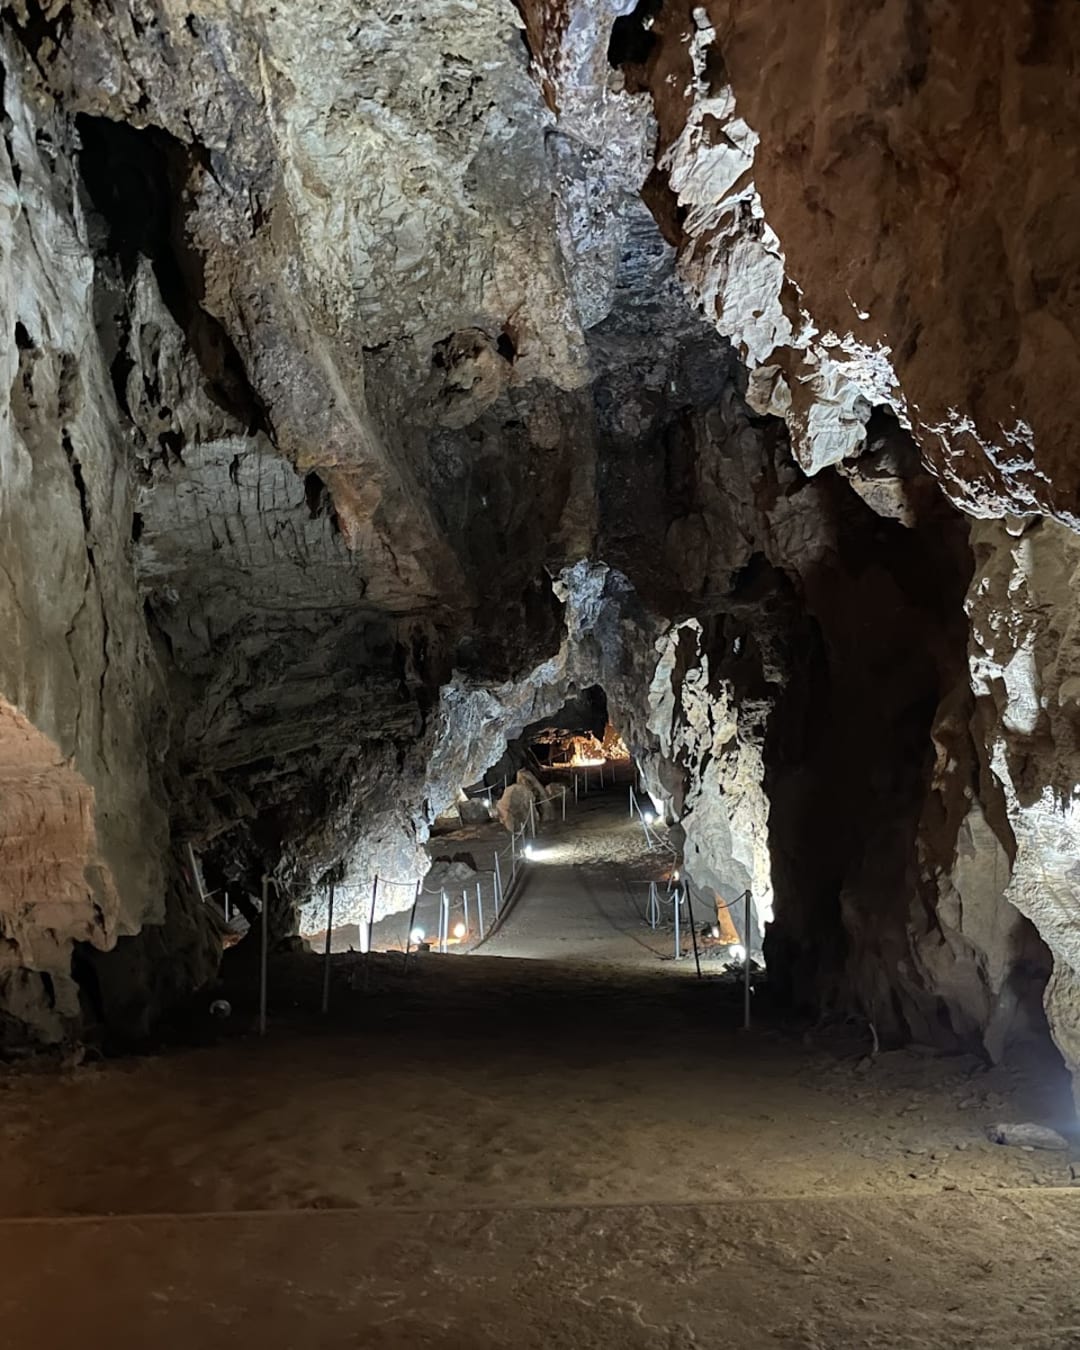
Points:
[(583, 897), (581, 1148)]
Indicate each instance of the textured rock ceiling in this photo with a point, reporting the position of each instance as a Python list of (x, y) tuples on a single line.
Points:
[(378, 378)]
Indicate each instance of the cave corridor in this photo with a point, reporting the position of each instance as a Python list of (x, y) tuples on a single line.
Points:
[(539, 738)]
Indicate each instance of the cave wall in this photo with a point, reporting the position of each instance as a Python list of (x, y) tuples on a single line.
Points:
[(931, 304), (356, 418), (84, 717), (320, 333), (1023, 605), (909, 162)]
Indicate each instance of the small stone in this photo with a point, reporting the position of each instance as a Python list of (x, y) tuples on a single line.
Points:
[(1027, 1136)]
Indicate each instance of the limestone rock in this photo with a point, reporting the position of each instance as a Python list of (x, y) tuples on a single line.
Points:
[(515, 807), (1027, 1135)]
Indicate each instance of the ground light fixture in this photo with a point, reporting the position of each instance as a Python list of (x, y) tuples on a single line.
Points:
[(460, 930), (737, 951), (530, 852), (417, 935), (648, 817)]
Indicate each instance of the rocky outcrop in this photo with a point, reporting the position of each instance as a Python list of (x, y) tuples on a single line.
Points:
[(767, 122), (84, 722), (872, 210), (1023, 604), (311, 428)]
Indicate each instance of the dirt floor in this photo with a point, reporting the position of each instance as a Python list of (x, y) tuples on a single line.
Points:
[(537, 1153)]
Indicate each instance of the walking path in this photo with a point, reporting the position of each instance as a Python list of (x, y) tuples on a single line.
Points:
[(584, 895)]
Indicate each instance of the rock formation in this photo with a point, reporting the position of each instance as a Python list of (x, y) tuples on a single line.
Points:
[(378, 382)]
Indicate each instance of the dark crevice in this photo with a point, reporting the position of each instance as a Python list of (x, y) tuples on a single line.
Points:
[(172, 446), (140, 183), (315, 495), (40, 34), (632, 39), (80, 486)]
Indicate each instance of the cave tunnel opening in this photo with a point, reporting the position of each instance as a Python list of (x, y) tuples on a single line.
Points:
[(632, 39), (557, 850)]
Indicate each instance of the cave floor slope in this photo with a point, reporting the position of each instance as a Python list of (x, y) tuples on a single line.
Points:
[(496, 1151)]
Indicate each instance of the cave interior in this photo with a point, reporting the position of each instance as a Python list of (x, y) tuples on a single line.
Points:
[(583, 487)]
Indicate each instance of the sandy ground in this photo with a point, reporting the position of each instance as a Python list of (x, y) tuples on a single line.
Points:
[(530, 1152), (914, 1273)]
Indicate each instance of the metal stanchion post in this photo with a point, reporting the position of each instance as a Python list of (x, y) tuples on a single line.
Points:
[(480, 911), (326, 953), (693, 927), (631, 801), (226, 906), (575, 788), (465, 909), (445, 923), (678, 943), (412, 920), (564, 803), (196, 875), (498, 884), (370, 930), (264, 952), (746, 966)]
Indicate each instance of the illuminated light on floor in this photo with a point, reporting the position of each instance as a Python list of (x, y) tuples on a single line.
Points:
[(737, 952), (530, 852), (487, 802), (675, 875), (460, 930), (417, 935), (648, 818)]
